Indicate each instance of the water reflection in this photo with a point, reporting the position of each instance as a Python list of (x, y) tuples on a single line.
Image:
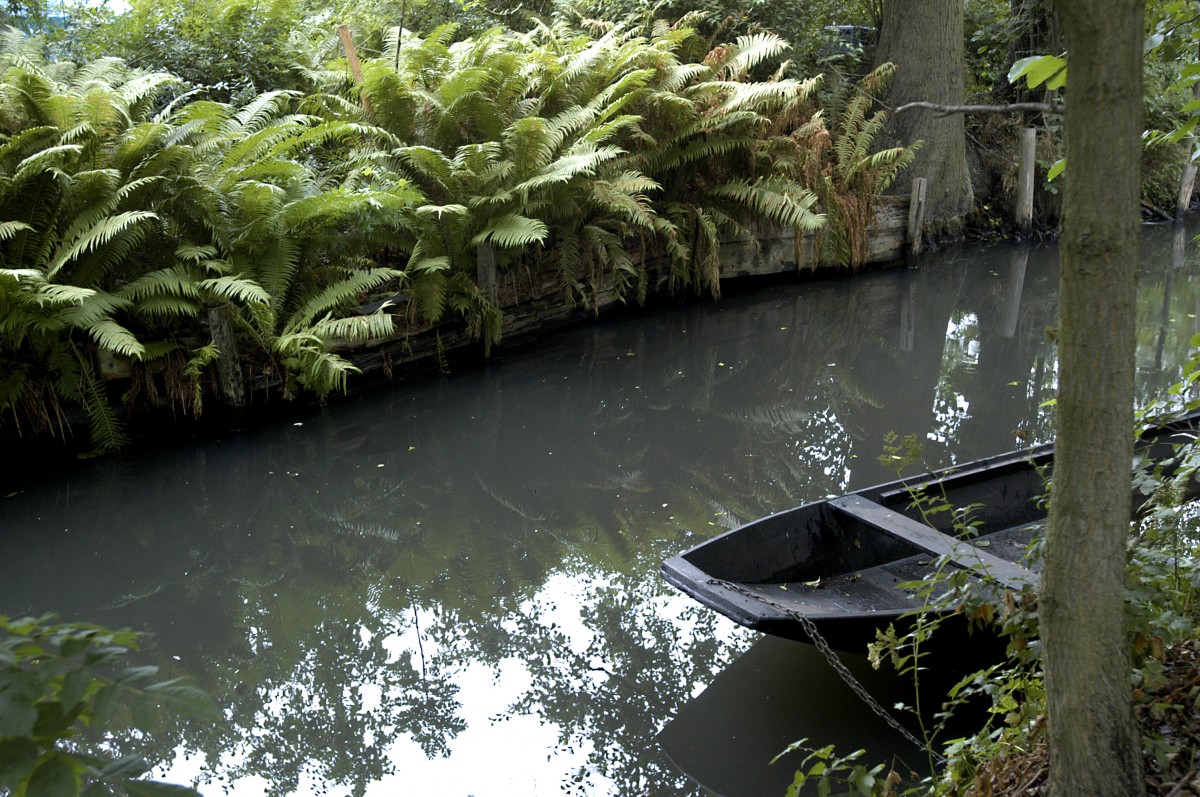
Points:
[(453, 586)]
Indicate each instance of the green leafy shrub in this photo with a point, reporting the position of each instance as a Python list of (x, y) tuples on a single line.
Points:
[(63, 682), (234, 49)]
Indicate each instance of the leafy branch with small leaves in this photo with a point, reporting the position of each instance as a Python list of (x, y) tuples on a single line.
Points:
[(62, 684)]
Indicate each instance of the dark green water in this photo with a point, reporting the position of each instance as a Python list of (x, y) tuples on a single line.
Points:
[(452, 587)]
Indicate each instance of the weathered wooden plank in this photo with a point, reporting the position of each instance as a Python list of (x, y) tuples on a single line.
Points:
[(1025, 170), (960, 552), (916, 215)]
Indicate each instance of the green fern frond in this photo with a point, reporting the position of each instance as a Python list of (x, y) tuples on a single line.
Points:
[(140, 93), (193, 253), (512, 231), (339, 295), (763, 98), (99, 234), (428, 162), (705, 148), (165, 282), (680, 75), (567, 167), (23, 275), (529, 143), (201, 358), (750, 51), (428, 265), (899, 159), (31, 138), (601, 133), (355, 329), (429, 294), (10, 228), (92, 309), (107, 432), (45, 160), (438, 211), (116, 338), (235, 288), (263, 110), (55, 294), (775, 198), (166, 307)]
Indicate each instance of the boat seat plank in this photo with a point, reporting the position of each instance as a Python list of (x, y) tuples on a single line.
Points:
[(962, 553)]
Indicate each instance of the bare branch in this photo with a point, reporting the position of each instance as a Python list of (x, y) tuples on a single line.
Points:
[(947, 110)]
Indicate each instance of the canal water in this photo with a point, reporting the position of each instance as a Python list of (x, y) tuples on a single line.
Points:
[(451, 587)]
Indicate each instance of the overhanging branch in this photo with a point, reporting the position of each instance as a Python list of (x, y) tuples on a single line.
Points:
[(947, 110)]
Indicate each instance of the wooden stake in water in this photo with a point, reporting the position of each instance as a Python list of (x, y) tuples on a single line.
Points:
[(916, 215)]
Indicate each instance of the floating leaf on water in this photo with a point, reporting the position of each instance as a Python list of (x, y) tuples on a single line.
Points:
[(1013, 384)]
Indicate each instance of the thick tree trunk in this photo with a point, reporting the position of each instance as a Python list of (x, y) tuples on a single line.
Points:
[(1094, 743), (924, 38)]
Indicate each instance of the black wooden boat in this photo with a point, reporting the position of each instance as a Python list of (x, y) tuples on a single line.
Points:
[(837, 563)]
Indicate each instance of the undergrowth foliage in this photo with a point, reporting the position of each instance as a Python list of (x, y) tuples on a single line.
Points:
[(141, 220)]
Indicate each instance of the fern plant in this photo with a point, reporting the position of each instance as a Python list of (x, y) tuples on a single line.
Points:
[(78, 186), (267, 228), (126, 220), (590, 156), (843, 168)]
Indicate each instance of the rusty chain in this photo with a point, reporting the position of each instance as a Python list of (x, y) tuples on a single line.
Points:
[(839, 667)]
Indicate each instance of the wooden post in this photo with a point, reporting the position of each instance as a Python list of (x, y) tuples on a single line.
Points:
[(916, 215), (485, 271), (355, 64), (1025, 171), (229, 365), (1187, 182)]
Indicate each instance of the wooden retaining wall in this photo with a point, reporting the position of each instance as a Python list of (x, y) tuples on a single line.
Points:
[(534, 303)]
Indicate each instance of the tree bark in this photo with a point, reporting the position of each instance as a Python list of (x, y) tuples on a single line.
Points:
[(1095, 747), (924, 38)]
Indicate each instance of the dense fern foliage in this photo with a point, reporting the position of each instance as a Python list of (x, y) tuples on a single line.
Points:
[(205, 248), (121, 225), (593, 155)]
